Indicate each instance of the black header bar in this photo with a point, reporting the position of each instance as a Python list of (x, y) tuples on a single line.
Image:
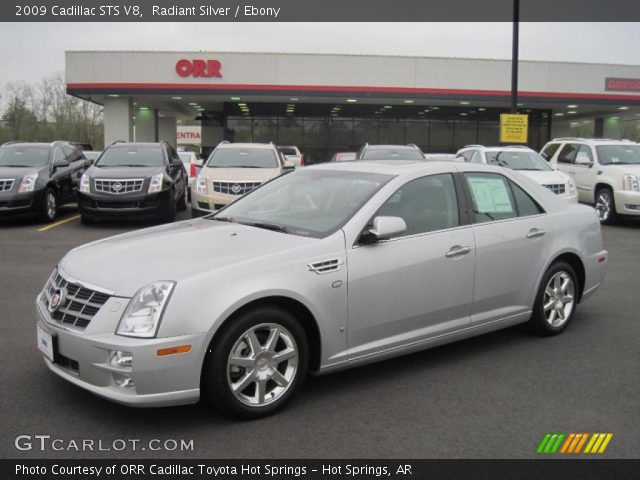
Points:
[(317, 11)]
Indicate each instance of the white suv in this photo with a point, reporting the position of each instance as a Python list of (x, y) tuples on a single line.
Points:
[(606, 172), (527, 162)]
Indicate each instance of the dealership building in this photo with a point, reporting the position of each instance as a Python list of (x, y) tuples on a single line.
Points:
[(325, 103)]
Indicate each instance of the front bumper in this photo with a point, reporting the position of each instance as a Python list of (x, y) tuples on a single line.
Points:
[(20, 205), (627, 202), (210, 203), (82, 358), (139, 205)]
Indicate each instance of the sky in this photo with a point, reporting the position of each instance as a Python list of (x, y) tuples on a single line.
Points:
[(37, 49)]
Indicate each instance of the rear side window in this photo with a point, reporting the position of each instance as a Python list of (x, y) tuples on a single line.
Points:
[(549, 151), (568, 153), (491, 197), (525, 204)]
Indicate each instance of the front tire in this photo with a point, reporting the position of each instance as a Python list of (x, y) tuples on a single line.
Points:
[(605, 206), (256, 363), (49, 208), (169, 215), (183, 202), (556, 300)]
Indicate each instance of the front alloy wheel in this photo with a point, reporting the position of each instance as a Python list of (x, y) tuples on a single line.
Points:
[(262, 364), (256, 362), (604, 206), (49, 206)]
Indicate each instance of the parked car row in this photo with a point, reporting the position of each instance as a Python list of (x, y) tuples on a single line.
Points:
[(146, 180)]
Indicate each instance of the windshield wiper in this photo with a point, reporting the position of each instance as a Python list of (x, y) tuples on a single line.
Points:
[(267, 226), (17, 166), (221, 218)]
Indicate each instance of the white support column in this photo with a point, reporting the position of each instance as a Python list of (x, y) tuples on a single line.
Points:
[(167, 130), (146, 125), (118, 120)]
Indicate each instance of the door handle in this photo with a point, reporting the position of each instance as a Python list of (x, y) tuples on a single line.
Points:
[(535, 233), (457, 251)]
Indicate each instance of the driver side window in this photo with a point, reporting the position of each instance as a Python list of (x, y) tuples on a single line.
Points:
[(426, 204), (58, 155)]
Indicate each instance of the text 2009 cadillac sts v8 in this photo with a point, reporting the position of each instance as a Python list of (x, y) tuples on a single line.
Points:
[(325, 268)]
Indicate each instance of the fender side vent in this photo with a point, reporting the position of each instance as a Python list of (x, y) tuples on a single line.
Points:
[(326, 266)]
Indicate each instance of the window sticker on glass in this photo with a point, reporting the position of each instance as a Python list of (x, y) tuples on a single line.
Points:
[(490, 195)]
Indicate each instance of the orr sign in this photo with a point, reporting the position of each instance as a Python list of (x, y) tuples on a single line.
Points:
[(199, 68)]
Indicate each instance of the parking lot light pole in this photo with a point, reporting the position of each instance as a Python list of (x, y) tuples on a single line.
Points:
[(514, 57)]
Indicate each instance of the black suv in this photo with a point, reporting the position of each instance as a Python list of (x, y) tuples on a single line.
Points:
[(134, 180), (36, 178), (390, 152)]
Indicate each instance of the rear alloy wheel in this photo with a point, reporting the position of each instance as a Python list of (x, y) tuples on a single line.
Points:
[(49, 206), (605, 206), (256, 364), (556, 300)]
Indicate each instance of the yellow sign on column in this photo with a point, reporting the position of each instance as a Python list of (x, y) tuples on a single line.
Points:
[(513, 128)]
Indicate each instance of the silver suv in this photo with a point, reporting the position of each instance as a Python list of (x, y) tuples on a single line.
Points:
[(606, 172)]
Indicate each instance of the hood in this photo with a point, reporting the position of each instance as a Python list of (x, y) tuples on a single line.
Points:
[(622, 169), (123, 172), (126, 263), (546, 177), (19, 172), (240, 174)]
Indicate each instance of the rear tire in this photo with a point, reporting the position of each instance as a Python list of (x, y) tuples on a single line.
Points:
[(183, 202), (556, 300), (606, 206), (256, 363), (49, 207)]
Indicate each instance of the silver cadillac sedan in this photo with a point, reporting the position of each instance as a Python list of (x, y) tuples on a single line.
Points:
[(325, 268)]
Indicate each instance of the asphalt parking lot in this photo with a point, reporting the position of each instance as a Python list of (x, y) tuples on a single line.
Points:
[(493, 396)]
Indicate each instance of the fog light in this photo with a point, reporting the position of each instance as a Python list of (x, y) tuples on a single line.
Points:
[(123, 380), (121, 359)]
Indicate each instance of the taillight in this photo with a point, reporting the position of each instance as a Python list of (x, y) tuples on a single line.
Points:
[(193, 172), (301, 160)]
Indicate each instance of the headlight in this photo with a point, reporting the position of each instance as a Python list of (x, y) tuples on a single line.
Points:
[(155, 185), (142, 316), (572, 187), (201, 184), (85, 184), (630, 182), (28, 183)]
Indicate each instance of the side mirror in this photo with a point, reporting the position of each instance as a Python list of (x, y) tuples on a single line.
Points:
[(60, 164), (584, 161), (383, 229)]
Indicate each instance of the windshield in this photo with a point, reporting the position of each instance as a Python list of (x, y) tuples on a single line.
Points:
[(618, 154), (242, 158), (392, 154), (24, 156), (132, 157), (312, 203), (518, 160), (288, 151)]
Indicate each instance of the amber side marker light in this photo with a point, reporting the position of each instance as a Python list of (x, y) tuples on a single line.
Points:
[(162, 352)]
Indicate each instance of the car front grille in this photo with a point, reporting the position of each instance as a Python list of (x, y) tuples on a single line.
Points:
[(78, 305), (6, 184), (117, 186), (235, 188), (557, 188)]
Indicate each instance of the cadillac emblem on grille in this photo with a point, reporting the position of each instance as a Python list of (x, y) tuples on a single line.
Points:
[(116, 187), (57, 299), (236, 188)]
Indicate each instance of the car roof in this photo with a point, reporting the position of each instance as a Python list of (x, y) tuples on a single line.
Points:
[(595, 141), (246, 145), (135, 144), (404, 167), (395, 147)]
